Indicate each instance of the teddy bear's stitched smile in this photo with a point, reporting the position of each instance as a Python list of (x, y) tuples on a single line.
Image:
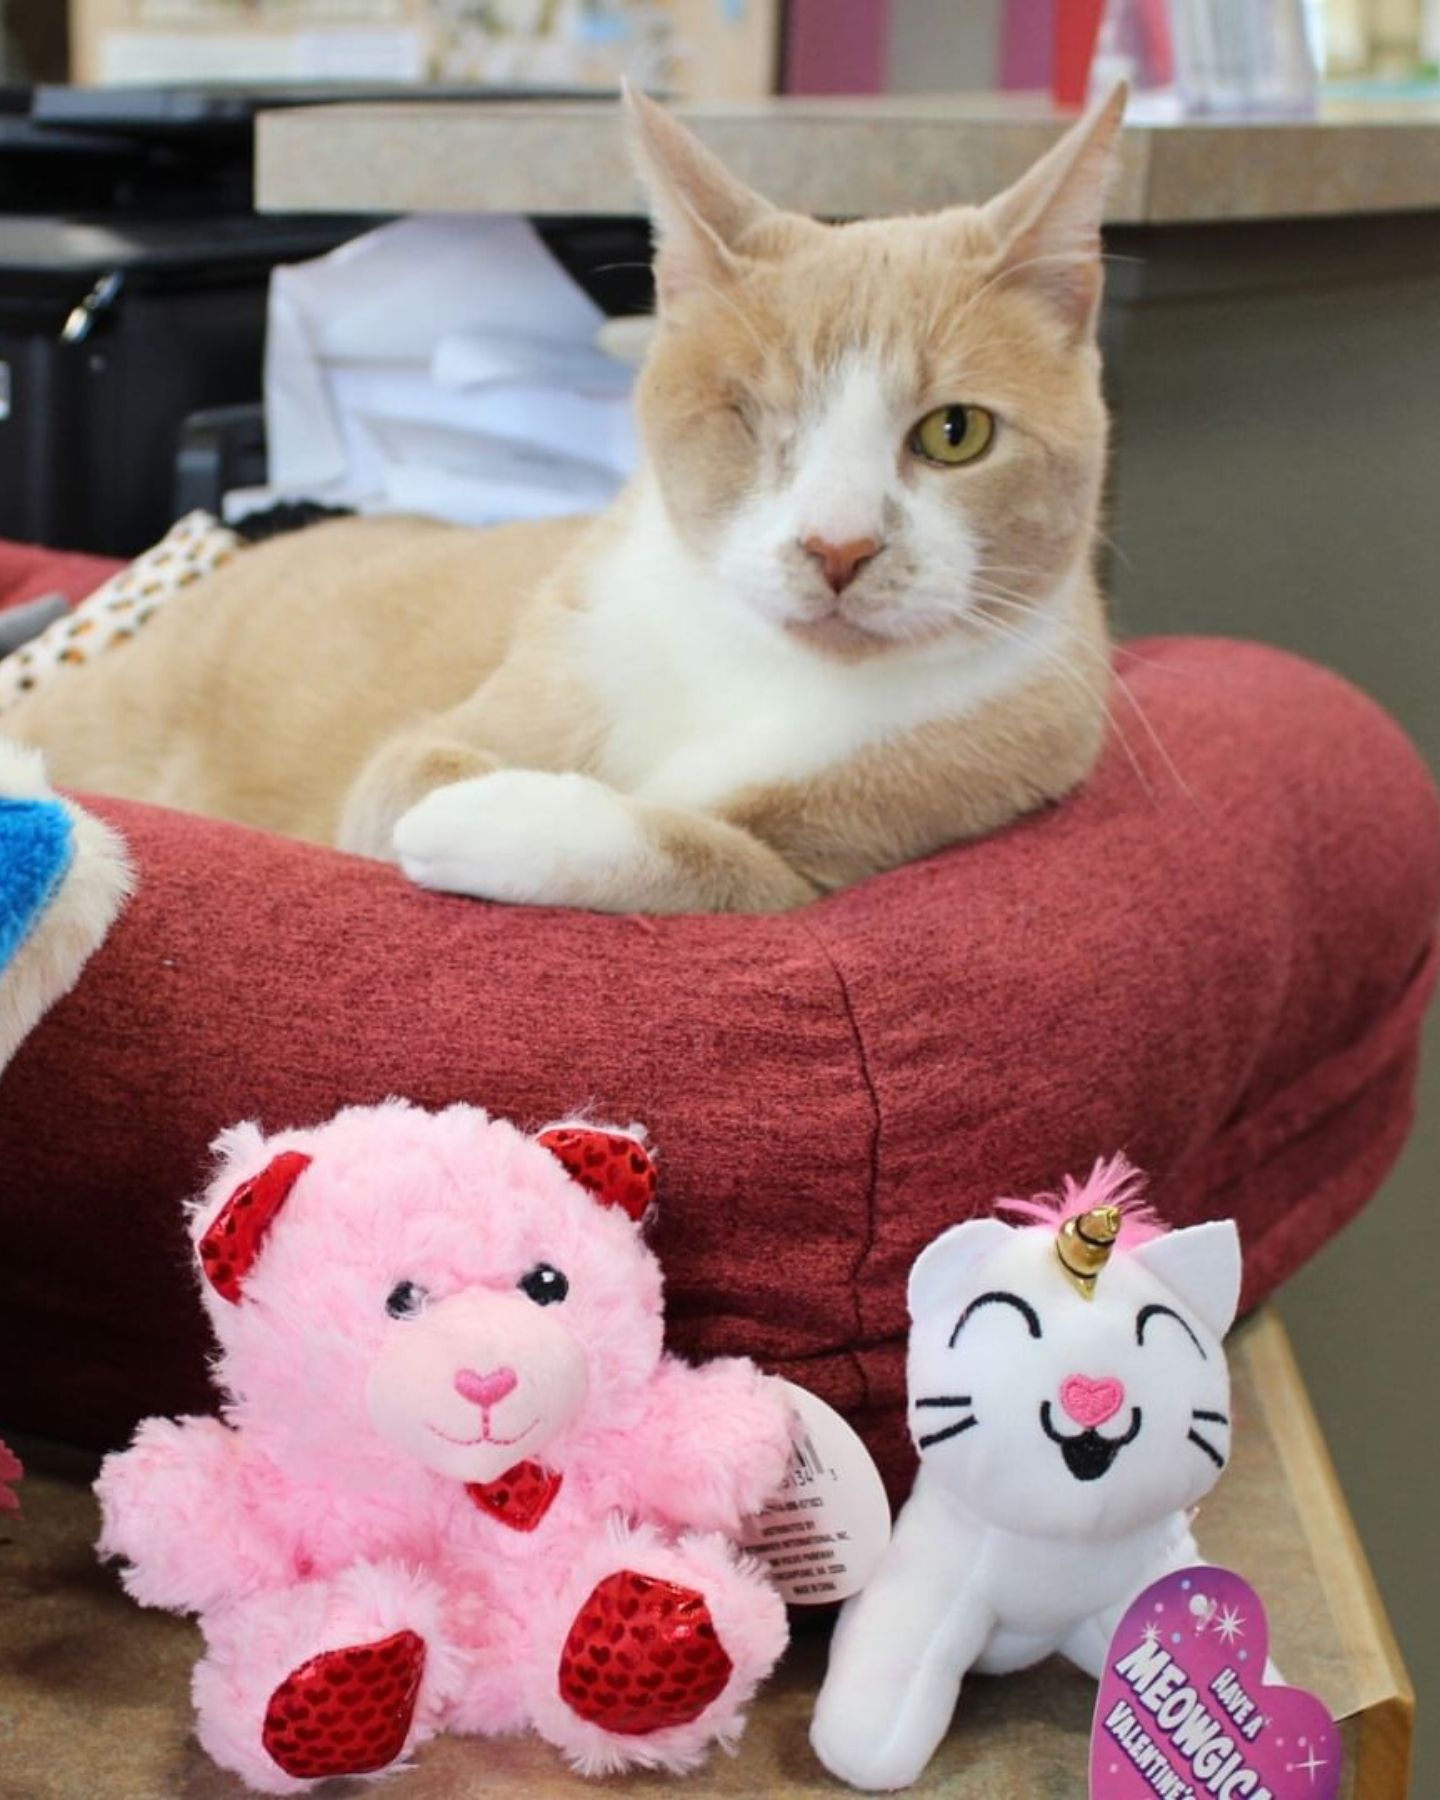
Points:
[(485, 1437)]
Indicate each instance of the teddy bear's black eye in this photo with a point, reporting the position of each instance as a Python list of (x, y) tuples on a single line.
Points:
[(544, 1285), (405, 1299)]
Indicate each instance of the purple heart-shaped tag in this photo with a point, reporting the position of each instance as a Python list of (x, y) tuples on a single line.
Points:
[(1184, 1709)]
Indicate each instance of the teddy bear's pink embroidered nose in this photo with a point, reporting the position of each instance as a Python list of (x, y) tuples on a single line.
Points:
[(487, 1390), (1090, 1403)]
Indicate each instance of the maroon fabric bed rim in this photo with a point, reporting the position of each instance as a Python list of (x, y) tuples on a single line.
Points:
[(1222, 971)]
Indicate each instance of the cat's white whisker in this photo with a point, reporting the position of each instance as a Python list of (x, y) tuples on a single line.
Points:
[(723, 299), (1017, 604), (1156, 740), (1069, 672), (1011, 269), (1122, 649), (1113, 544)]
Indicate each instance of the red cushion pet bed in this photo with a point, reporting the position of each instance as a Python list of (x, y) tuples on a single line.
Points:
[(1218, 963)]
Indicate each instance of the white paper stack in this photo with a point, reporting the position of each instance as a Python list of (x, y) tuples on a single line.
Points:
[(444, 366)]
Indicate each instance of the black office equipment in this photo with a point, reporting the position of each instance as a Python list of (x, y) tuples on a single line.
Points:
[(134, 275), (110, 335)]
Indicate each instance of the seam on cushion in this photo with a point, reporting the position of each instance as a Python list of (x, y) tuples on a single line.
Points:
[(1381, 1153), (1247, 1141), (872, 1178), (1216, 1183)]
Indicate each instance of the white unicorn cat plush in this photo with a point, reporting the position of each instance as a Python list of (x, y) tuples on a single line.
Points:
[(1070, 1401)]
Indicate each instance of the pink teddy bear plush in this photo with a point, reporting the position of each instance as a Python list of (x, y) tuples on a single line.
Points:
[(459, 1485)]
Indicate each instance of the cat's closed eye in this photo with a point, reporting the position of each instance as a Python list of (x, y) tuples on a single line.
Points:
[(739, 407), (952, 435)]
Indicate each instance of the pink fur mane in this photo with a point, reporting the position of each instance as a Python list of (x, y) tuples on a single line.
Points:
[(1114, 1181)]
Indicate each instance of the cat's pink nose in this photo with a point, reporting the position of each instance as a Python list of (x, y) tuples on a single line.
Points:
[(841, 563), (486, 1390), (1090, 1403)]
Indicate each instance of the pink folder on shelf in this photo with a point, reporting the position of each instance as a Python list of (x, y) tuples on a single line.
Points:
[(1027, 44), (832, 49)]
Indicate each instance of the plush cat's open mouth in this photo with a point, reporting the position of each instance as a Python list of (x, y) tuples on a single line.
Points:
[(1087, 1455)]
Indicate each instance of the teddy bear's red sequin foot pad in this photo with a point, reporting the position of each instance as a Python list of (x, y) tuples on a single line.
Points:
[(346, 1712), (643, 1654)]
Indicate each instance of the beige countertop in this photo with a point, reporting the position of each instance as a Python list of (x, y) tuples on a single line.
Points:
[(843, 158)]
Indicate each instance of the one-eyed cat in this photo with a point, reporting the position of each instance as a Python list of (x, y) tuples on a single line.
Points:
[(1070, 1401), (844, 615)]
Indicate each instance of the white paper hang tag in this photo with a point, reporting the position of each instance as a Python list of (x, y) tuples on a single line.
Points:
[(822, 1536)]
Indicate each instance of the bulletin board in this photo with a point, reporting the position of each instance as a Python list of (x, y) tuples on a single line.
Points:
[(697, 49)]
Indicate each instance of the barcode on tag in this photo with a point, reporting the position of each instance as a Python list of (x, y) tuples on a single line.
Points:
[(826, 1529), (807, 1465)]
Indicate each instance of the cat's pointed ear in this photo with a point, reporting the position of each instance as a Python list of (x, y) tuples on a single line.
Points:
[(699, 210), (943, 1268), (1201, 1266), (1048, 223)]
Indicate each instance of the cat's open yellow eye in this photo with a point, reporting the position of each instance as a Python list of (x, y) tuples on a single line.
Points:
[(953, 434)]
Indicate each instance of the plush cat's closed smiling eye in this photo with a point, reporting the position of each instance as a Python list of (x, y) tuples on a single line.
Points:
[(1147, 1313), (953, 435), (998, 1298)]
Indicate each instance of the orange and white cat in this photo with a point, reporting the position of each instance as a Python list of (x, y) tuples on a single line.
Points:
[(845, 613)]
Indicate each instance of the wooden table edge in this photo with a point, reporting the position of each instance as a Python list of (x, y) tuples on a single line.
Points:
[(1384, 1724)]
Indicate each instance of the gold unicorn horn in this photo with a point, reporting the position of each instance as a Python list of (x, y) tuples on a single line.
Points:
[(1084, 1245)]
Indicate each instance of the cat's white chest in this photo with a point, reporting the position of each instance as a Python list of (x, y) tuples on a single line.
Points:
[(702, 700), (709, 728)]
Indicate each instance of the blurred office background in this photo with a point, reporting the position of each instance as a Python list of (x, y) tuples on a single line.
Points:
[(705, 48), (1363, 1314)]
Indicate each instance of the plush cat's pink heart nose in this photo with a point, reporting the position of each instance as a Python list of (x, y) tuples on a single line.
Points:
[(486, 1390), (1090, 1403)]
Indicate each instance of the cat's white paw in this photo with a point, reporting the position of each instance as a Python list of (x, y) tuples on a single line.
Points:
[(522, 835)]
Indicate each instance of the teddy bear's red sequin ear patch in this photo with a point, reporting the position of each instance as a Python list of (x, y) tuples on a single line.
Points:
[(616, 1169), (233, 1239)]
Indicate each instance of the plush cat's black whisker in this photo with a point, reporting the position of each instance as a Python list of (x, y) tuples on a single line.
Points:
[(1214, 1417), (939, 1437), (1209, 1449), (946, 1400)]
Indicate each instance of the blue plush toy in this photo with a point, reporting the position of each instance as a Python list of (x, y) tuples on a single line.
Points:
[(63, 878), (37, 847)]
